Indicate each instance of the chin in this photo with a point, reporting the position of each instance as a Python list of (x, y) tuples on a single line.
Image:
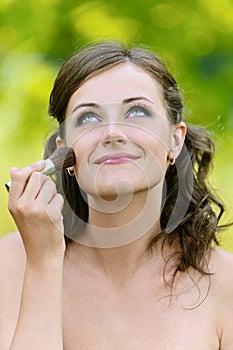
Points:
[(111, 184)]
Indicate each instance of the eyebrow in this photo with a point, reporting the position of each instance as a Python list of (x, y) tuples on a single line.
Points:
[(131, 99), (86, 105), (125, 101)]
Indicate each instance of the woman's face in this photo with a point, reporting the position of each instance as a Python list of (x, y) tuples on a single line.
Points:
[(117, 124)]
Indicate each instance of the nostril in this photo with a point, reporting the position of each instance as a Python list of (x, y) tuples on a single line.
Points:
[(114, 140)]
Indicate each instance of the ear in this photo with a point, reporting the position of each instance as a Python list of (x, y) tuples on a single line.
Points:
[(177, 138), (59, 141)]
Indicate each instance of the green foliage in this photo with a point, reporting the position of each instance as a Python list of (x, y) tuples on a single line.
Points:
[(37, 36)]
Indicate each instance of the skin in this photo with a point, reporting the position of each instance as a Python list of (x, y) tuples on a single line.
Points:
[(94, 298)]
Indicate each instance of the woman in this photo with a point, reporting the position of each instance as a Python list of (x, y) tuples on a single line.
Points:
[(126, 259)]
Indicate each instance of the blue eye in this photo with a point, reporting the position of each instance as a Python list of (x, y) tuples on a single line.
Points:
[(86, 118), (138, 111)]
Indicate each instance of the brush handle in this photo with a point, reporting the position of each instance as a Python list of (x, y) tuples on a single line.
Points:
[(49, 169)]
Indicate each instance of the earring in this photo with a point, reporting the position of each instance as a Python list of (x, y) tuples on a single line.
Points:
[(70, 172), (171, 159)]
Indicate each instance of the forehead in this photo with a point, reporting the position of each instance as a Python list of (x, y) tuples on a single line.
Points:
[(116, 84)]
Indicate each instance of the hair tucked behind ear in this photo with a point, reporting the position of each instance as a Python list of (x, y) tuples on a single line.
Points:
[(197, 214)]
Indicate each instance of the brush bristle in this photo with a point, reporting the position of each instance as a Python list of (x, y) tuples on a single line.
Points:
[(63, 157)]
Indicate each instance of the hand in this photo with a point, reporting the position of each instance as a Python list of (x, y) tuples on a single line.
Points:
[(36, 209)]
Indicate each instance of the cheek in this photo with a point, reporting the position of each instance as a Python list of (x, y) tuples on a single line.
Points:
[(157, 149), (83, 142), (83, 145), (83, 148), (82, 169), (155, 140), (155, 162)]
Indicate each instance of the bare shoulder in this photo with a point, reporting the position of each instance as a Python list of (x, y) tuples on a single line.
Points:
[(10, 239), (221, 265), (12, 254), (12, 260), (12, 265)]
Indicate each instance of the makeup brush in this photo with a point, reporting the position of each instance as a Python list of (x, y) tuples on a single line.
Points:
[(62, 157)]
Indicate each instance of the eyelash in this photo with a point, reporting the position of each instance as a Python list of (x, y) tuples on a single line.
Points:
[(82, 116), (85, 112), (142, 107)]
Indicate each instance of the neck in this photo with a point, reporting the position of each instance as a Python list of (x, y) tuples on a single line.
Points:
[(117, 240)]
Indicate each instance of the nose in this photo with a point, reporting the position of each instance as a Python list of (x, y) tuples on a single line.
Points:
[(113, 135)]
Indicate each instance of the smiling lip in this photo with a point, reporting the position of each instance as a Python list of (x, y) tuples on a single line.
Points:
[(116, 158)]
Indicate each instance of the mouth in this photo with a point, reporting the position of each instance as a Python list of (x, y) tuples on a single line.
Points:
[(116, 158)]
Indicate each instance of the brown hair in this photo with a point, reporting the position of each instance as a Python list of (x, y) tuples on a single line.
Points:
[(189, 214)]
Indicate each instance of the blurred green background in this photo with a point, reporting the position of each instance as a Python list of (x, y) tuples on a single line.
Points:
[(195, 37)]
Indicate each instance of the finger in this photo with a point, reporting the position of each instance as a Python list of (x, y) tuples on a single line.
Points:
[(48, 191), (20, 177), (54, 208), (57, 202), (34, 186)]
